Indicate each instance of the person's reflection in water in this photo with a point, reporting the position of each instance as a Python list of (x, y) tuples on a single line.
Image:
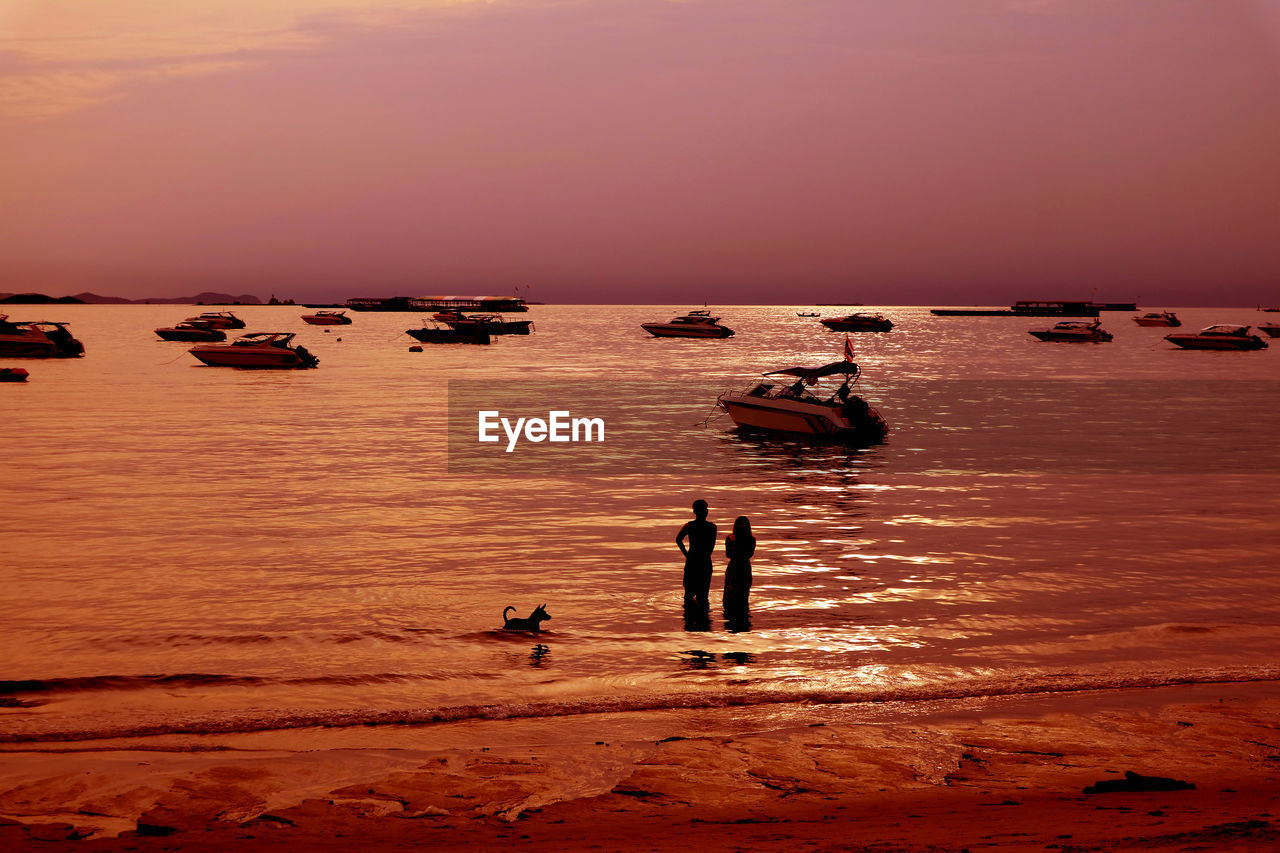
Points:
[(740, 547)]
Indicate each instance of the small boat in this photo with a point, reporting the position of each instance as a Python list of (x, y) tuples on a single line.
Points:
[(439, 335), (858, 323), (491, 323), (1078, 331), (1158, 318), (327, 318), (807, 314), (1224, 336), (791, 408), (218, 320), (13, 374), (1272, 330), (37, 339), (192, 331), (256, 350), (695, 324)]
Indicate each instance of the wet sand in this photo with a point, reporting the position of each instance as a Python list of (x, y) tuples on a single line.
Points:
[(1003, 774)]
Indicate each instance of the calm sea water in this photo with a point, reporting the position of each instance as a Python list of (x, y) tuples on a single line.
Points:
[(189, 549)]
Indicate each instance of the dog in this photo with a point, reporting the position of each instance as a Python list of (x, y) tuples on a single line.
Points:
[(532, 622)]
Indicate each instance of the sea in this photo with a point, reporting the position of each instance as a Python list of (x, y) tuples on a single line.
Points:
[(188, 549)]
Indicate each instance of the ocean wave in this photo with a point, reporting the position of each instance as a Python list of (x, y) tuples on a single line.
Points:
[(50, 686), (977, 688)]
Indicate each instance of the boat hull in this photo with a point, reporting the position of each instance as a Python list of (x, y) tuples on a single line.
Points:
[(449, 336), (665, 330), (255, 358), (837, 326), (192, 335), (1210, 342), (327, 321), (38, 345), (1270, 330), (1074, 339), (787, 417), (506, 327)]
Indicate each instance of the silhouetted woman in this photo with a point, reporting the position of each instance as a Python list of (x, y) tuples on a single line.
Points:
[(739, 546)]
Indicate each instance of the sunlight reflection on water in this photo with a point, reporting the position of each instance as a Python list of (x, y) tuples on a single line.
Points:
[(183, 519)]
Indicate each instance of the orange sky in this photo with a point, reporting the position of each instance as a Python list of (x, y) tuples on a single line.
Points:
[(643, 150)]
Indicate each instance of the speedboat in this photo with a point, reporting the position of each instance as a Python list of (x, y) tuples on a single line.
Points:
[(189, 330), (1158, 318), (858, 323), (1085, 331), (13, 374), (37, 339), (791, 408), (444, 335), (491, 323), (1272, 330), (256, 350), (695, 324), (1221, 336), (327, 318), (218, 320)]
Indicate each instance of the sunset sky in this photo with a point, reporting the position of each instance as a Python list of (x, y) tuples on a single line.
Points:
[(881, 151)]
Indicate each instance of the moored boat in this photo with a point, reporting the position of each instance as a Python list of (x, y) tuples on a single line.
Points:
[(262, 350), (445, 335), (695, 324), (1272, 330), (191, 331), (13, 374), (491, 323), (217, 320), (857, 322), (1078, 331), (1158, 318), (327, 318), (1223, 336), (37, 339), (792, 408)]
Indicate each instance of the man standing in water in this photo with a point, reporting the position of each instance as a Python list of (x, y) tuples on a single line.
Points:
[(697, 556)]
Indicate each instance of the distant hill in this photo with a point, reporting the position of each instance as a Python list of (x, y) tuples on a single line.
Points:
[(37, 299), (206, 298)]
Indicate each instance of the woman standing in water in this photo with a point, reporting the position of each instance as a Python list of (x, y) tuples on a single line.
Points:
[(739, 546)]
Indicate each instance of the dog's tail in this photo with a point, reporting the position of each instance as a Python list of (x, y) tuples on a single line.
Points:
[(505, 611)]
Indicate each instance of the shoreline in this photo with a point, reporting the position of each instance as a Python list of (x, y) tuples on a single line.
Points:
[(992, 773)]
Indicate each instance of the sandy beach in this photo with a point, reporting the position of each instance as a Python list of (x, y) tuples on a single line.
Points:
[(982, 774)]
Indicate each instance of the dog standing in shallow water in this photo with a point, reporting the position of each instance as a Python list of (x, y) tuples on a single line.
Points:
[(528, 623)]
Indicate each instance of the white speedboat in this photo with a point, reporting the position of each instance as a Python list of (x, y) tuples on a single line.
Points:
[(857, 322), (1224, 336), (1080, 331), (37, 339), (1158, 318), (695, 324), (256, 350), (1272, 330), (217, 320), (327, 318), (803, 406)]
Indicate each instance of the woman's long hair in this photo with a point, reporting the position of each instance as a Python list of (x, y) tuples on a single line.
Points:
[(742, 531)]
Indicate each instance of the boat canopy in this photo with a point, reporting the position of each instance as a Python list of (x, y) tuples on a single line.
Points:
[(839, 368)]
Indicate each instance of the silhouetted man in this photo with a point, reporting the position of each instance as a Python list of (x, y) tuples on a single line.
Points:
[(697, 556)]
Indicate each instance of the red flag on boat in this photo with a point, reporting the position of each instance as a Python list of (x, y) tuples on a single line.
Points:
[(848, 349)]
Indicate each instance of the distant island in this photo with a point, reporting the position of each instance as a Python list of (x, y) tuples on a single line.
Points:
[(206, 298)]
